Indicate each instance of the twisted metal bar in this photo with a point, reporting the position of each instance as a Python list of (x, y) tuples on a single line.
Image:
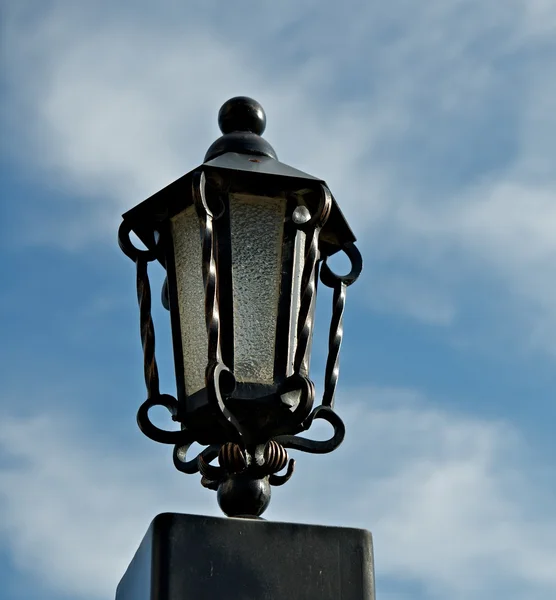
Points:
[(142, 258), (334, 344), (339, 284), (219, 379), (150, 367), (308, 289), (212, 316), (309, 276)]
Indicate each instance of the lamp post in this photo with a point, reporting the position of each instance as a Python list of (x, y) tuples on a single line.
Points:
[(242, 238)]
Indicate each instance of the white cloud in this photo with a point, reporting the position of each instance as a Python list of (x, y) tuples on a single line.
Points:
[(389, 102), (456, 505), (414, 296), (75, 505), (114, 107)]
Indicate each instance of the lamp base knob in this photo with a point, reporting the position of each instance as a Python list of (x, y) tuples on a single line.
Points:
[(242, 495)]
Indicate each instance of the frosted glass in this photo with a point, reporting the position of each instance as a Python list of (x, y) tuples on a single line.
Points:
[(186, 234), (257, 227)]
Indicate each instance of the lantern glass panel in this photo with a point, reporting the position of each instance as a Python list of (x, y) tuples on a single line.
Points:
[(186, 235), (257, 229)]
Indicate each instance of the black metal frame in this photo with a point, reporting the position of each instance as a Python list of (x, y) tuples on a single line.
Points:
[(246, 426)]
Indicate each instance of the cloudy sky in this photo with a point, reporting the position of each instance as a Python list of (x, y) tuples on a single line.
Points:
[(433, 122)]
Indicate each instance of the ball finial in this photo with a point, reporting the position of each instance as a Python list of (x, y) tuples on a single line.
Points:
[(242, 114), (242, 495)]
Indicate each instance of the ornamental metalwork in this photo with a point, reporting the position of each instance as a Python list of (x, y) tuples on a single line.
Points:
[(248, 435)]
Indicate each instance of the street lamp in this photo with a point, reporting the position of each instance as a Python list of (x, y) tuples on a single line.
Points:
[(242, 239)]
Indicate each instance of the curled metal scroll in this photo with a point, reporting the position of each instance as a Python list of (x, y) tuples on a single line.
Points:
[(258, 462), (296, 442), (321, 214), (155, 433), (276, 479), (306, 388), (329, 278), (128, 248), (220, 382), (194, 465)]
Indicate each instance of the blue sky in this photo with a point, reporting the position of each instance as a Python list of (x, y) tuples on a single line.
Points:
[(433, 122)]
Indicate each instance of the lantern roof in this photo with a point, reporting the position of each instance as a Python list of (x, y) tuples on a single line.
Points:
[(241, 161)]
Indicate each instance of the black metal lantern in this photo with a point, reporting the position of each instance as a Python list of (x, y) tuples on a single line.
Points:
[(242, 238)]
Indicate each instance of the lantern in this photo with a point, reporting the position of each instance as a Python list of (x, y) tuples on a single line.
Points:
[(242, 239)]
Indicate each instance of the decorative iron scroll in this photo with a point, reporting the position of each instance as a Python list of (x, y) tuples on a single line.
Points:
[(258, 461), (152, 382), (325, 411)]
